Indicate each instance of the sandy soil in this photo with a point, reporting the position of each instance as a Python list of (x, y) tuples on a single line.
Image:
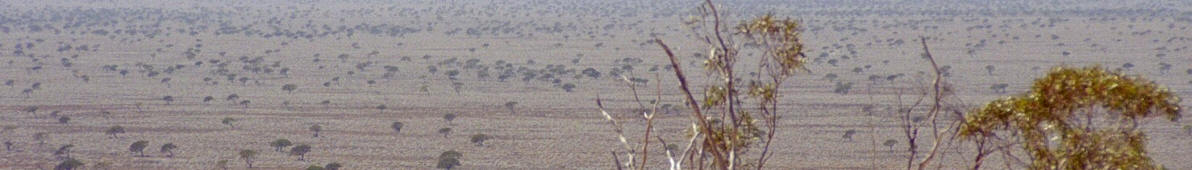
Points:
[(549, 128)]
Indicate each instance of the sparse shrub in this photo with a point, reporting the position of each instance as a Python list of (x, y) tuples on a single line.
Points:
[(221, 164), (139, 147), (316, 128), (228, 121), (64, 119), (449, 159), (41, 137), (333, 166), (168, 148), (842, 87), (114, 130), (568, 87), (168, 99), (848, 134), (289, 88), (69, 164), (247, 156), (510, 106), (301, 151), (280, 143), (449, 117), (890, 143), (445, 131), (397, 126), (479, 139), (999, 88), (64, 150)]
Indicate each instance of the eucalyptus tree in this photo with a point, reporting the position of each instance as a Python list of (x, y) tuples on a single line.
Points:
[(1054, 121)]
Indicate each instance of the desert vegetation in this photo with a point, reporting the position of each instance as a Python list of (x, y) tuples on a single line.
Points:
[(616, 84)]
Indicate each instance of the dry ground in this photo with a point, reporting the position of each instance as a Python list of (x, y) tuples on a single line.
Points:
[(551, 128)]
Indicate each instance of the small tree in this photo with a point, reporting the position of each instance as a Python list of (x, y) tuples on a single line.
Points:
[(64, 119), (449, 159), (8, 145), (510, 106), (890, 143), (115, 130), (69, 164), (382, 108), (64, 150), (479, 139), (221, 164), (1054, 121), (228, 121), (316, 128), (457, 86), (301, 151), (168, 99), (848, 134), (397, 126), (139, 147), (168, 148), (289, 88), (248, 156), (568, 87), (280, 143), (41, 137), (445, 131), (333, 166), (449, 117)]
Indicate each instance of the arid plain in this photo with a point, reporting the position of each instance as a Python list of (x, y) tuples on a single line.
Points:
[(516, 71)]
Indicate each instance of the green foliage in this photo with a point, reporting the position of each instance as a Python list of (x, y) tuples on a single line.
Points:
[(1054, 119), (315, 167)]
